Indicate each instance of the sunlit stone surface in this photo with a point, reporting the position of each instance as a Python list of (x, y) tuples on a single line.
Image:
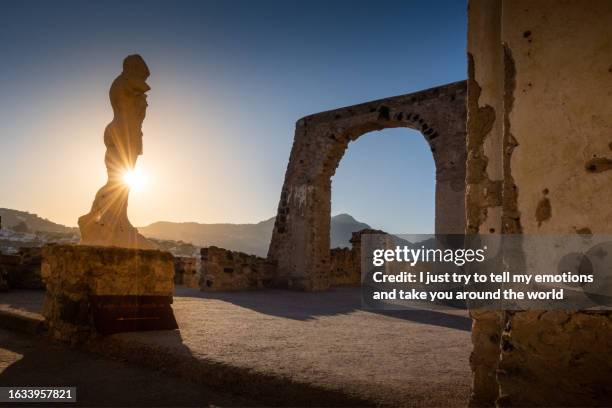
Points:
[(107, 223), (77, 275)]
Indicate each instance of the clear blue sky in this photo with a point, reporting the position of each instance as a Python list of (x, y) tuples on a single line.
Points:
[(229, 80)]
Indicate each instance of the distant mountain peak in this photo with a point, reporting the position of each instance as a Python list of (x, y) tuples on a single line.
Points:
[(248, 238), (344, 218)]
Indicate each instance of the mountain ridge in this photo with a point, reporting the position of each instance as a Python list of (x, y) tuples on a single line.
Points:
[(11, 218), (251, 238)]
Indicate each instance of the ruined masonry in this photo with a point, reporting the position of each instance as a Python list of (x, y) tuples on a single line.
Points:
[(300, 239), (226, 270), (539, 147), (186, 271)]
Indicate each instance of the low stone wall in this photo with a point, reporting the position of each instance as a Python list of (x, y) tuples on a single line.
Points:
[(186, 271), (7, 263), (225, 270), (344, 267), (345, 263), (76, 274), (22, 270)]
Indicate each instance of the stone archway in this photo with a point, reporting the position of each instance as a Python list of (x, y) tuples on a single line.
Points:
[(301, 239)]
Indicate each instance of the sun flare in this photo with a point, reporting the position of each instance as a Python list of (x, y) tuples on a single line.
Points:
[(134, 179)]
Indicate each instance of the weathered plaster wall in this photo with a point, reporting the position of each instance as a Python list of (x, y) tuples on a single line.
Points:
[(485, 175), (562, 57), (300, 240), (539, 103)]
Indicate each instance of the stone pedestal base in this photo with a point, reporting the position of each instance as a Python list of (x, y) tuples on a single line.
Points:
[(101, 290)]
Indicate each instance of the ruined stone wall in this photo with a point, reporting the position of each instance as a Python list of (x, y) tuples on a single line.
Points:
[(22, 270), (225, 270), (539, 103), (346, 262), (344, 267), (186, 271), (300, 239), (7, 262)]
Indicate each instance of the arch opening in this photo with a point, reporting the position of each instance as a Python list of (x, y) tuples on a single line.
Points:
[(385, 179)]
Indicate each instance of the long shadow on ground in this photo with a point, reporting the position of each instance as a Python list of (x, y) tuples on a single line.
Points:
[(27, 300), (34, 362), (309, 305)]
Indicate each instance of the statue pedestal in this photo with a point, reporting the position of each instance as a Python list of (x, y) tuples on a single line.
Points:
[(102, 290)]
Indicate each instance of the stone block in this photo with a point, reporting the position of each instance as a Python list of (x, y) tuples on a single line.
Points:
[(79, 278)]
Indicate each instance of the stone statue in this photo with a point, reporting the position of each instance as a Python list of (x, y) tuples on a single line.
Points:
[(107, 223)]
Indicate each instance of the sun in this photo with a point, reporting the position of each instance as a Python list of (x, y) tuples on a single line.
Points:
[(134, 179)]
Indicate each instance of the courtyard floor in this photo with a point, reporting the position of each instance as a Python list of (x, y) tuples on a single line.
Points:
[(31, 361), (301, 348)]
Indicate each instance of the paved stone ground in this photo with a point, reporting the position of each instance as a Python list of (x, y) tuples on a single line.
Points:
[(31, 361), (305, 348)]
